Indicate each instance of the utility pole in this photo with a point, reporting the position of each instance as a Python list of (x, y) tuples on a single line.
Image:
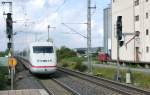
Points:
[(118, 63), (48, 32), (89, 55), (89, 35)]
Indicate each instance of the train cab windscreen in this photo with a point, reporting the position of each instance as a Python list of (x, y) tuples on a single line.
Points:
[(42, 49)]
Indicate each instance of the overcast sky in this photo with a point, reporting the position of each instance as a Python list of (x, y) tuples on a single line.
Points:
[(35, 15)]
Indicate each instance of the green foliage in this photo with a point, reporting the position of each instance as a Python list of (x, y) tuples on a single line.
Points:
[(3, 78), (68, 58), (4, 53), (97, 62), (141, 80), (74, 63), (80, 67), (64, 63), (105, 72), (138, 78), (65, 52)]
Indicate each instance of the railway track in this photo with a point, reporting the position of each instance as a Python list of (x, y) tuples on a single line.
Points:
[(83, 87), (114, 86), (69, 82), (55, 87), (51, 85)]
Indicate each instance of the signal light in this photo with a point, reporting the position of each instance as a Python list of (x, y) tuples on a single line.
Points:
[(9, 36), (9, 45), (137, 33), (119, 27), (9, 23), (121, 43)]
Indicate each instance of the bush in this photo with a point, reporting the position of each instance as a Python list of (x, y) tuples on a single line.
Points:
[(64, 63), (3, 78), (80, 67), (74, 63), (64, 52), (68, 58), (3, 54)]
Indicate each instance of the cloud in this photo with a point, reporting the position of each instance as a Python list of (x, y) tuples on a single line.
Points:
[(41, 13), (55, 2), (36, 4)]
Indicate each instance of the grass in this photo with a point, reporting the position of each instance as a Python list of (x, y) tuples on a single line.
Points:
[(74, 63), (107, 73), (3, 78), (139, 79)]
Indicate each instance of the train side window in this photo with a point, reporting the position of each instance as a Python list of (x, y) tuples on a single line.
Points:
[(147, 15), (137, 18), (28, 52), (147, 31), (147, 49), (136, 2)]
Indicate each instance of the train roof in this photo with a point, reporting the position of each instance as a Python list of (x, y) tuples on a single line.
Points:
[(41, 44)]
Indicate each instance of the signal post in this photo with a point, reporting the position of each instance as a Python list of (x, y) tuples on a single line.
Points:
[(9, 31), (11, 60), (120, 43)]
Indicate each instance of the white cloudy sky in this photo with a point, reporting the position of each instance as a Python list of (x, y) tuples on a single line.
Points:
[(35, 15)]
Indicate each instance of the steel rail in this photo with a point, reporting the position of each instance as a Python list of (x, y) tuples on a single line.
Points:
[(119, 87), (66, 87), (73, 92), (45, 88), (50, 92)]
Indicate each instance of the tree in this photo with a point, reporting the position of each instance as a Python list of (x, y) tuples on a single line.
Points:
[(65, 52), (4, 53)]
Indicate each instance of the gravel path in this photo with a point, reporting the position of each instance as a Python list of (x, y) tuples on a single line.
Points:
[(25, 80), (83, 87), (54, 87)]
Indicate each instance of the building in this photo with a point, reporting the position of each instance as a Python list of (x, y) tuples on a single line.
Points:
[(135, 17), (107, 29)]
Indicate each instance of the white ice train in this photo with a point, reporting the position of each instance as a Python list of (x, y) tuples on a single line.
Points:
[(41, 57)]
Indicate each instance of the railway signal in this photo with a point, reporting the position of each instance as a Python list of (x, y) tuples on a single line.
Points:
[(9, 25), (119, 44), (119, 31), (119, 27), (9, 32), (9, 45)]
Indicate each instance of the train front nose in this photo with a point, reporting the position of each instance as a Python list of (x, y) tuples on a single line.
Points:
[(43, 69), (44, 63)]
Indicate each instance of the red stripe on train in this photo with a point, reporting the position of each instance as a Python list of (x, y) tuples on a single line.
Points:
[(42, 66)]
